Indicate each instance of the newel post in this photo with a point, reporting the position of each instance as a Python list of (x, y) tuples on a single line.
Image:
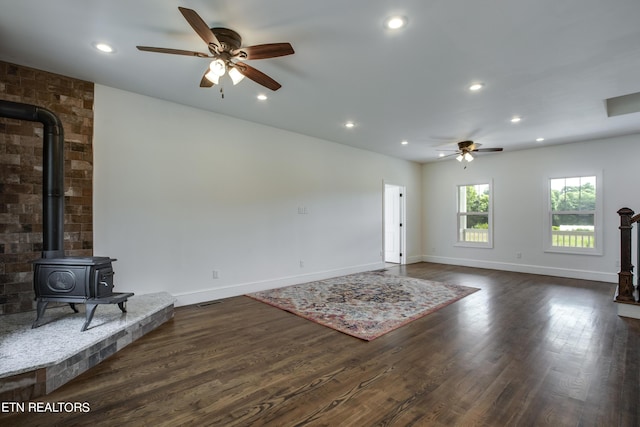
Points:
[(625, 276)]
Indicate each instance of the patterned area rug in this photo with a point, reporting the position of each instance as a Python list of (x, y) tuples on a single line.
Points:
[(364, 305)]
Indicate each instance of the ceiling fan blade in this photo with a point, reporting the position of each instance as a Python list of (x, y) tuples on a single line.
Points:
[(173, 51), (487, 150), (205, 82), (257, 76), (263, 51), (200, 27)]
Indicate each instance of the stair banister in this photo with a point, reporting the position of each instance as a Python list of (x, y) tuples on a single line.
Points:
[(625, 276)]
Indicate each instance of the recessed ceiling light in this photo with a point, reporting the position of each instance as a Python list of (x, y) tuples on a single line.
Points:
[(539, 139), (515, 119), (405, 142), (441, 155), (349, 124), (395, 22), (476, 86), (103, 47), (262, 97)]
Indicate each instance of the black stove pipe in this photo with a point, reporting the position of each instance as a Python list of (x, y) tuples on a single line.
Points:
[(53, 174)]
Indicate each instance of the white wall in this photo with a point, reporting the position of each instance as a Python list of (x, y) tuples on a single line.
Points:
[(180, 192), (519, 202)]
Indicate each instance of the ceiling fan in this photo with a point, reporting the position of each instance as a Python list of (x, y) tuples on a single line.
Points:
[(465, 148), (226, 53)]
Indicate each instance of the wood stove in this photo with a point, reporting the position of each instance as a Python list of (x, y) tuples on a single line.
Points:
[(76, 280), (73, 280), (73, 277)]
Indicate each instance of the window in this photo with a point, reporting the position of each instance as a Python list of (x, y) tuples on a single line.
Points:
[(573, 216), (474, 215)]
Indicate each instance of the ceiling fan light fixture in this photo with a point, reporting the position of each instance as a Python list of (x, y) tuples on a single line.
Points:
[(213, 77), (236, 76), (460, 157), (468, 157), (217, 67)]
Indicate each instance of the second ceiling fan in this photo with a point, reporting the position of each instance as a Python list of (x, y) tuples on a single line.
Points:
[(227, 53), (465, 148)]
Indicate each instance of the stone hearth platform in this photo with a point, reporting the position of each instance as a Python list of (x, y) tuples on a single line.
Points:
[(34, 362)]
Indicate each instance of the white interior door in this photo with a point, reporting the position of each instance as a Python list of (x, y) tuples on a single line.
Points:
[(393, 223)]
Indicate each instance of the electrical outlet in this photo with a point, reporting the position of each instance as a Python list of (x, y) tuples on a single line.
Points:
[(518, 255), (216, 274), (301, 264)]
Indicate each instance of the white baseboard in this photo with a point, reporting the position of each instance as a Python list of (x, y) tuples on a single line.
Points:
[(526, 268), (212, 294), (414, 259), (629, 310)]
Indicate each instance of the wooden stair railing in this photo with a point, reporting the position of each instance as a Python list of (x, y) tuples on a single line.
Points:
[(626, 290)]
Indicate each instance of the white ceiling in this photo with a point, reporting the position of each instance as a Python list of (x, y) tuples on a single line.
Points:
[(551, 62)]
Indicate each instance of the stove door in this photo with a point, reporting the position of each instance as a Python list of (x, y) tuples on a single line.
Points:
[(60, 281), (103, 282)]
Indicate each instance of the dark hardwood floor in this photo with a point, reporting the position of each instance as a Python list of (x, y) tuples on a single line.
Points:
[(526, 350)]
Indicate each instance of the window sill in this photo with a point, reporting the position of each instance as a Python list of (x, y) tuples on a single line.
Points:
[(574, 251), (473, 245)]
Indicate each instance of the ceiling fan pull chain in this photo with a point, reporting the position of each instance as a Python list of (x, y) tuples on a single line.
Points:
[(221, 92)]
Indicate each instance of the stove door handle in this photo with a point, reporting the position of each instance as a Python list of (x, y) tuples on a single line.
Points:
[(105, 284)]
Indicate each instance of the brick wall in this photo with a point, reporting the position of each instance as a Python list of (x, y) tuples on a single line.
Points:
[(21, 177)]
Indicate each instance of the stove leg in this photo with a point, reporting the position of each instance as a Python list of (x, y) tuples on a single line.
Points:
[(123, 306), (73, 307), (91, 309), (42, 306)]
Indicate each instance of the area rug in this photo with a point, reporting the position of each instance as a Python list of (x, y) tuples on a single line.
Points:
[(364, 305)]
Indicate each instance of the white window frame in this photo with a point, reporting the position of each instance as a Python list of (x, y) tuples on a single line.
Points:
[(598, 215), (489, 243)]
